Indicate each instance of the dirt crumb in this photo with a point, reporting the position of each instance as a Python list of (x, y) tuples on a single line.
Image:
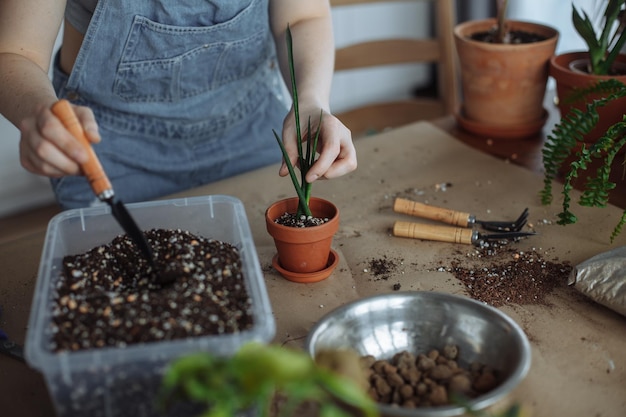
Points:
[(382, 268)]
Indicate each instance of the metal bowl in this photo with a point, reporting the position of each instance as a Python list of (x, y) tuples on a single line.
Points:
[(384, 325)]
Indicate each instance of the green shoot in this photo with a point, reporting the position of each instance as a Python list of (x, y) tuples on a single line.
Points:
[(306, 159)]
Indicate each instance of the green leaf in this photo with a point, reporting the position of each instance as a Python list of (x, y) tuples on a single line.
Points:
[(605, 46), (306, 159), (618, 228), (568, 134), (292, 174), (251, 378), (585, 29), (331, 410)]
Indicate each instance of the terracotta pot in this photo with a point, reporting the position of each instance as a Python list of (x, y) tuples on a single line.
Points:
[(303, 249), (504, 85), (562, 69)]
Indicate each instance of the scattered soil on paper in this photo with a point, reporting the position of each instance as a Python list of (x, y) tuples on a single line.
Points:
[(382, 268), (500, 274), (108, 296)]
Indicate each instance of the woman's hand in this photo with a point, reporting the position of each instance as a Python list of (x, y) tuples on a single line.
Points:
[(337, 155), (48, 149), (310, 24)]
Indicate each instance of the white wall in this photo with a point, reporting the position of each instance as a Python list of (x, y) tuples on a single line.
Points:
[(555, 13), (375, 21)]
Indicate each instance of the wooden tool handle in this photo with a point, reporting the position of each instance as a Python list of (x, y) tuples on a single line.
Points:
[(432, 232), (413, 208), (92, 169)]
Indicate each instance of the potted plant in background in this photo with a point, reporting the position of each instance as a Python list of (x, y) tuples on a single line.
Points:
[(566, 149), (602, 60), (504, 73), (592, 102), (302, 227)]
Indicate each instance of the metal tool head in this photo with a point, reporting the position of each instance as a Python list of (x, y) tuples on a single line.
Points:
[(501, 236), (129, 225), (500, 226)]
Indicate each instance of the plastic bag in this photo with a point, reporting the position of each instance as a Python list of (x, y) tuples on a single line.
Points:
[(603, 279)]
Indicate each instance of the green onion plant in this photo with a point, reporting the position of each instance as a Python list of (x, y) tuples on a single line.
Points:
[(307, 150)]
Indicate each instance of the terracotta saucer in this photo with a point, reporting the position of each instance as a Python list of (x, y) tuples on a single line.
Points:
[(501, 132), (333, 260)]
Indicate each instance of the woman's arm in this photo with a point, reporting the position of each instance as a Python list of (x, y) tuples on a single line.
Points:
[(28, 30), (314, 51)]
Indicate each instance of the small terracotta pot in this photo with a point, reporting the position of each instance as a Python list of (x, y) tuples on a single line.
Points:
[(567, 80), (303, 249), (504, 84)]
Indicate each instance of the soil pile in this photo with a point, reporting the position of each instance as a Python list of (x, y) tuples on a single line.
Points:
[(513, 37), (499, 275), (108, 296)]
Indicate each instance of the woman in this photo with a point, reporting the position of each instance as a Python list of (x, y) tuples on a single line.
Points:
[(173, 93)]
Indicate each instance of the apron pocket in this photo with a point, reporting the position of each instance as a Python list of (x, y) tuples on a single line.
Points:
[(165, 63)]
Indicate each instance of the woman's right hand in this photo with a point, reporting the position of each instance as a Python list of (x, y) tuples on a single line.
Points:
[(28, 30), (47, 148)]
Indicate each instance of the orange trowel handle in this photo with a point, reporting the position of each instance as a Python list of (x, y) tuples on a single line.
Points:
[(92, 169)]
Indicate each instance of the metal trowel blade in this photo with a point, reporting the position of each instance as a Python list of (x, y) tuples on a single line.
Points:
[(129, 225)]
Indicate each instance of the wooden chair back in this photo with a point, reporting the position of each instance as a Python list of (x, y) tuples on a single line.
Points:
[(437, 49)]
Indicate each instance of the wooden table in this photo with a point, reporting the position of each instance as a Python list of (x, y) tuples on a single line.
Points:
[(579, 360)]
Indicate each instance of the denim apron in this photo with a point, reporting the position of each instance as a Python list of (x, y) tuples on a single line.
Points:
[(185, 92)]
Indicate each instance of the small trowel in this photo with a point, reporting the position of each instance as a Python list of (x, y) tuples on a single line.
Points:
[(99, 181)]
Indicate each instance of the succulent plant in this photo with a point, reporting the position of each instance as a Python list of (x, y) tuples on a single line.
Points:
[(605, 44)]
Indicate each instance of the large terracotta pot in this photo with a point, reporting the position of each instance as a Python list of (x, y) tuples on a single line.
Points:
[(504, 85), (563, 70), (303, 250)]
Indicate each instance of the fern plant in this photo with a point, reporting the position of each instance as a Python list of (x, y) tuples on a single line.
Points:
[(567, 140), (306, 149)]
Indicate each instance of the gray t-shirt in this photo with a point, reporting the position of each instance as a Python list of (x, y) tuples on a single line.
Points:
[(78, 13)]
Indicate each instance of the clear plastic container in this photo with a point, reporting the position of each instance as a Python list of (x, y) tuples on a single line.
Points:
[(115, 382)]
